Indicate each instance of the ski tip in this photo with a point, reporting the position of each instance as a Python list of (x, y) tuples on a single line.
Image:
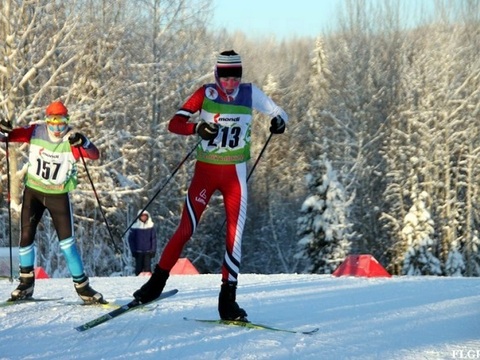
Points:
[(311, 332)]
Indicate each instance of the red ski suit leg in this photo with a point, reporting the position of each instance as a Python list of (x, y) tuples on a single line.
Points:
[(231, 181)]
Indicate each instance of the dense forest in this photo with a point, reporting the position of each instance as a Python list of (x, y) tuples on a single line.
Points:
[(379, 156)]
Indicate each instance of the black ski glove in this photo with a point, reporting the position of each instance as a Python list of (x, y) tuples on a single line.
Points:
[(277, 125), (5, 126), (77, 139), (207, 131)]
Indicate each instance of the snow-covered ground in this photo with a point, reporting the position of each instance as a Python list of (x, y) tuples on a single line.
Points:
[(359, 318)]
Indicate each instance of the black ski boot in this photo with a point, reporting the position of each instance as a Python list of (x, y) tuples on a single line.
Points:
[(227, 306), (88, 294), (24, 290), (153, 287)]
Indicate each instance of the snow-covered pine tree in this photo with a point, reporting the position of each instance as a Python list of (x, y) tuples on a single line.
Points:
[(455, 264), (324, 228), (418, 233)]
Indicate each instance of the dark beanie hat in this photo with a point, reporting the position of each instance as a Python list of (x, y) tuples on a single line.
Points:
[(229, 64)]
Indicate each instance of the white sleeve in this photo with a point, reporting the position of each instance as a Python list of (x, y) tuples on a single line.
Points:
[(264, 104)]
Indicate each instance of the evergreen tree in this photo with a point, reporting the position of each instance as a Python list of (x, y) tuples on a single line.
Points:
[(418, 232), (455, 265), (324, 227)]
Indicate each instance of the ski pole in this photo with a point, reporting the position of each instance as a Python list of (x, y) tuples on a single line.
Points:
[(117, 250), (9, 208), (162, 187), (259, 156), (253, 168)]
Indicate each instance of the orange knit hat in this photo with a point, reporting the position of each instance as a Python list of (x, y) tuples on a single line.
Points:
[(56, 108)]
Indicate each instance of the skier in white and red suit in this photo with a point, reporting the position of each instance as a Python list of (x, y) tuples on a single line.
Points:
[(225, 109)]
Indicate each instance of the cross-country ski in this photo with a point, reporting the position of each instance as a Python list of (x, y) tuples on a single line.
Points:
[(120, 311), (251, 325), (27, 301)]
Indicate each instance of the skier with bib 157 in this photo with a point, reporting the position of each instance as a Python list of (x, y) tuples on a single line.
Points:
[(54, 149), (225, 109)]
